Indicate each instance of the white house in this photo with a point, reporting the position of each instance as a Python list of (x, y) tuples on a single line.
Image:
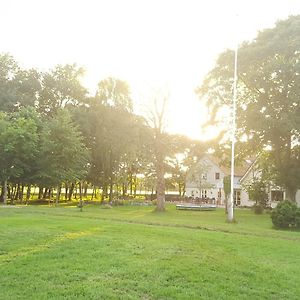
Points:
[(205, 180), (275, 193)]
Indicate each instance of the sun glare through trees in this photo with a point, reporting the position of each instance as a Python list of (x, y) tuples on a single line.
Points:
[(118, 178)]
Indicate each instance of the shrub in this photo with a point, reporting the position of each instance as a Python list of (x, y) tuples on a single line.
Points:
[(297, 218), (285, 214), (154, 202), (258, 209), (257, 192)]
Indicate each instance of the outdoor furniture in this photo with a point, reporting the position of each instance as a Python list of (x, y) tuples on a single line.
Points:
[(196, 207)]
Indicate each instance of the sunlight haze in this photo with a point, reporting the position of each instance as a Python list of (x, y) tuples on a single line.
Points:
[(146, 43)]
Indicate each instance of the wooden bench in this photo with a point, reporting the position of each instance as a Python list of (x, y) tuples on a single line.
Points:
[(196, 207)]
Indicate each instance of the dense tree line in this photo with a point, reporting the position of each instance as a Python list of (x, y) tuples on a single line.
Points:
[(53, 135)]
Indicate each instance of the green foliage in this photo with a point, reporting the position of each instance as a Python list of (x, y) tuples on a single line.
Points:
[(114, 92), (52, 135), (18, 88), (61, 87), (227, 185), (268, 105), (258, 209), (18, 144), (285, 215), (297, 218), (63, 156), (257, 190)]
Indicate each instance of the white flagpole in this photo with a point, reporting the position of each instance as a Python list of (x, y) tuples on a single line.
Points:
[(230, 216)]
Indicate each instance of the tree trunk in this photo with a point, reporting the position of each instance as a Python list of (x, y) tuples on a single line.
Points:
[(124, 190), (226, 205), (2, 189), (131, 184), (85, 190), (45, 193), (75, 193), (28, 193), (5, 192), (179, 189), (104, 192), (71, 191), (160, 186), (93, 192), (80, 196), (12, 193), (21, 194), (66, 191), (41, 192), (152, 193), (117, 190), (111, 185), (58, 189), (18, 191), (135, 186), (8, 191)]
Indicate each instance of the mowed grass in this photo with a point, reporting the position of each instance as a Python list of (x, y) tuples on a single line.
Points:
[(134, 253)]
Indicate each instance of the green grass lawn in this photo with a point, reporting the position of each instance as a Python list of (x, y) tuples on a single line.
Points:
[(133, 253)]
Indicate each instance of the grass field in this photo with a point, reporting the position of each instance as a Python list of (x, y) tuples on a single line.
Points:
[(133, 253)]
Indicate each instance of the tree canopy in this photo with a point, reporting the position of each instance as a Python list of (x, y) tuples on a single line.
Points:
[(268, 112), (53, 135)]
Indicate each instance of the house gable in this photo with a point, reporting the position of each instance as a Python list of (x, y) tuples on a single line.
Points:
[(206, 170)]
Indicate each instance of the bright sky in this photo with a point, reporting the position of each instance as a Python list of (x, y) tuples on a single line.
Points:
[(148, 43)]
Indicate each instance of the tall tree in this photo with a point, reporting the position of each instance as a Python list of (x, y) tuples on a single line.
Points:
[(157, 122), (61, 86), (63, 156), (18, 146), (112, 135), (114, 92), (268, 96), (18, 87)]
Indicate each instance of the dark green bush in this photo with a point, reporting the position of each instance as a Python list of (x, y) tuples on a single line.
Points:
[(258, 209), (297, 218), (284, 215)]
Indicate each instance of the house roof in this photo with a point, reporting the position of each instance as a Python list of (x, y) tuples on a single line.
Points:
[(239, 170), (248, 170)]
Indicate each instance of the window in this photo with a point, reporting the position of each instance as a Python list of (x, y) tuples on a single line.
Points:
[(204, 176), (217, 176), (276, 195), (237, 197)]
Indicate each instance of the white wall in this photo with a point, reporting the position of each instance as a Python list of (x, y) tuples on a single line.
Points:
[(211, 170), (247, 179), (245, 201), (298, 198)]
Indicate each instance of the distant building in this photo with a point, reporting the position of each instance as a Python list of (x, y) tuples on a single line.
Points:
[(275, 193), (204, 181)]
